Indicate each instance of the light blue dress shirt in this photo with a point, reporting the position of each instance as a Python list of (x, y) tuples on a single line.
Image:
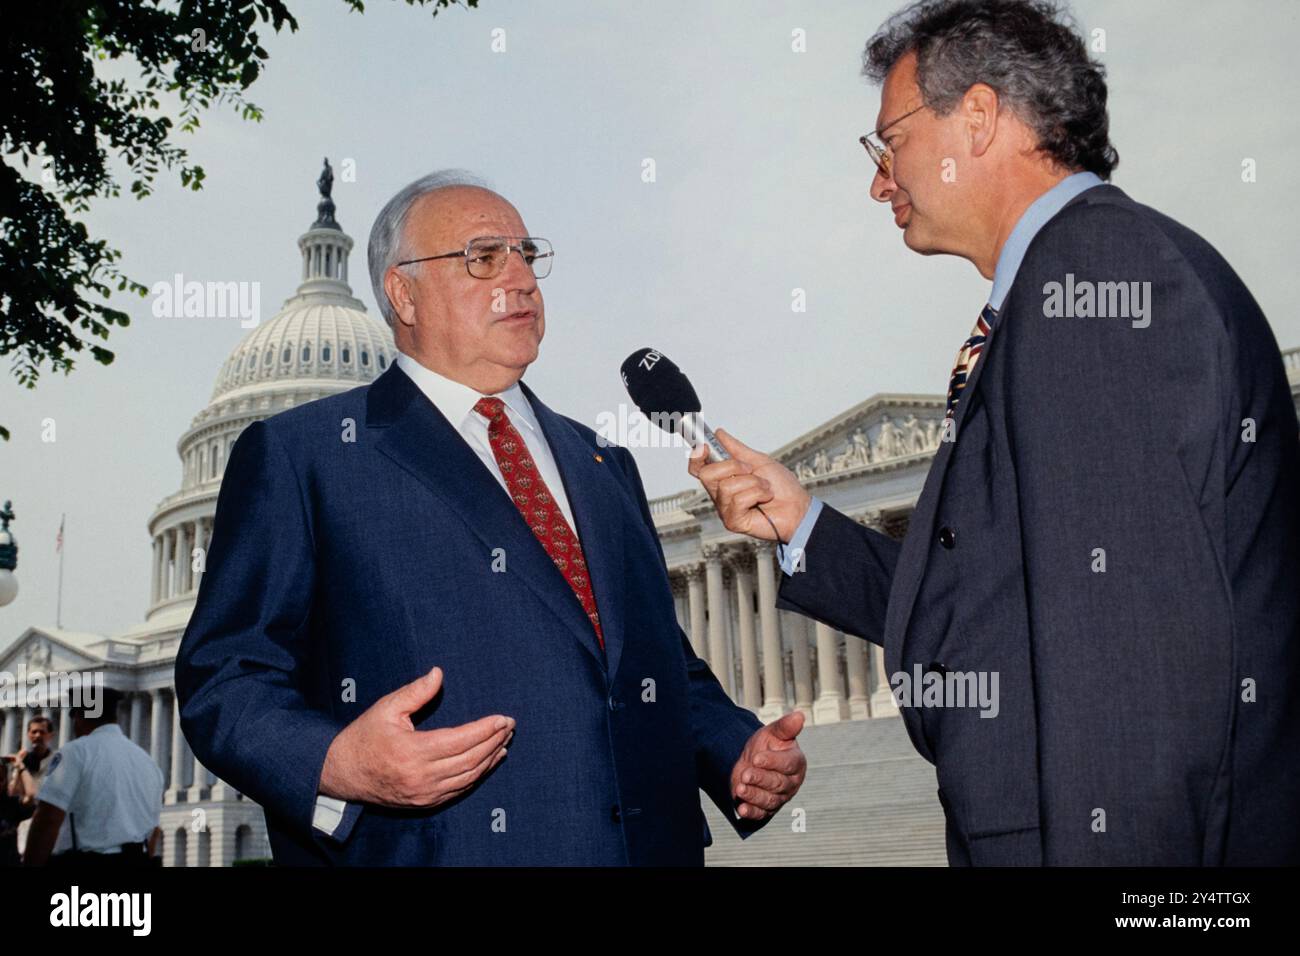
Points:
[(1039, 213)]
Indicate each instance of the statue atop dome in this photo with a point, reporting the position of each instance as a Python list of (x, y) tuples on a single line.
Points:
[(325, 208)]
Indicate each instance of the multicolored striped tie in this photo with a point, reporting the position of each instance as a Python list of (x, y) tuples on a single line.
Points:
[(969, 354)]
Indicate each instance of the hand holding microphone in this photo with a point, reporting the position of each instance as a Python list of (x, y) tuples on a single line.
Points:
[(754, 494), (749, 480)]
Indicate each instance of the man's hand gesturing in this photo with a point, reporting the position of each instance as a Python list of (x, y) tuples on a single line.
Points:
[(381, 758), (747, 479)]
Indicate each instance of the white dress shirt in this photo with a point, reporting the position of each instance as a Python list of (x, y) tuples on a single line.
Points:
[(456, 403)]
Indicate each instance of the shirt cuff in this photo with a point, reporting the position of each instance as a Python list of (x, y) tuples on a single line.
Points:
[(792, 555), (328, 814)]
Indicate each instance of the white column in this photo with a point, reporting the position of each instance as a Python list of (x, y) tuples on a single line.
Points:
[(729, 627), (750, 685), (695, 598), (173, 586), (205, 536), (883, 703), (182, 562), (153, 580), (678, 591), (137, 712), (191, 542), (178, 752), (7, 745), (164, 547), (855, 663), (200, 543), (799, 664), (155, 727), (65, 726), (199, 784), (187, 552), (831, 706), (773, 671), (718, 658), (160, 569)]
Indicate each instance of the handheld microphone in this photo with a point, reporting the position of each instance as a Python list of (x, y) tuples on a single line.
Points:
[(665, 396)]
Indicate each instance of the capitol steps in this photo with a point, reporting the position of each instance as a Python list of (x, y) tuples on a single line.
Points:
[(869, 800)]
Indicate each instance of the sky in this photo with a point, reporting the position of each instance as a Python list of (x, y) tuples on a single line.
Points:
[(759, 189)]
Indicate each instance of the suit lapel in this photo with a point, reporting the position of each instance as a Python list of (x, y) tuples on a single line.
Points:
[(416, 436), (920, 532), (916, 548), (597, 503)]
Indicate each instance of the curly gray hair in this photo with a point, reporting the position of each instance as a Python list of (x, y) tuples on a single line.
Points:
[(1026, 50)]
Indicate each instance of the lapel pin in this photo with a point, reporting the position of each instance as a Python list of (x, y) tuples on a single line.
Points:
[(598, 458)]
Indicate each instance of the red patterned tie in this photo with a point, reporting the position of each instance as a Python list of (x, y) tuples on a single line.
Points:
[(539, 509)]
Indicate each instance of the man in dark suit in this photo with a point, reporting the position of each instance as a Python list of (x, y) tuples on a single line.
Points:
[(1111, 525), (380, 617)]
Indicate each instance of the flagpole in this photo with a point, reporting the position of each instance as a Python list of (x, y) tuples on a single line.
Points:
[(58, 615)]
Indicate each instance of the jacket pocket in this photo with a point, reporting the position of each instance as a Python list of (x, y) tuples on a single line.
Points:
[(1021, 847), (1018, 846)]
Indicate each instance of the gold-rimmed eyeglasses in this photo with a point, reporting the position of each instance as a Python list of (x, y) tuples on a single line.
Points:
[(485, 256), (876, 148)]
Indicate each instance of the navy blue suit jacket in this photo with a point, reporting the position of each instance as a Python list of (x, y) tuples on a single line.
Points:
[(364, 563), (1149, 713)]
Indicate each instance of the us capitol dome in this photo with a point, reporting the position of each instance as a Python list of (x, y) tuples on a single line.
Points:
[(321, 342)]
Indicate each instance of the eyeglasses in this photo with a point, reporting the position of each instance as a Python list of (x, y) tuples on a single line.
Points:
[(485, 256), (877, 150)]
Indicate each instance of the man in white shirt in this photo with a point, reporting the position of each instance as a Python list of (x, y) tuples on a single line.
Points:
[(103, 790)]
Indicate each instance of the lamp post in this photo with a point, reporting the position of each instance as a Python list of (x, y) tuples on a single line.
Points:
[(8, 556)]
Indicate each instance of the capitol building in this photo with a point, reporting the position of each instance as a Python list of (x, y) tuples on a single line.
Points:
[(874, 796), (321, 342)]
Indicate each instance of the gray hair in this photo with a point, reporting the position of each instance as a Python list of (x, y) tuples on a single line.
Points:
[(388, 235), (1026, 50)]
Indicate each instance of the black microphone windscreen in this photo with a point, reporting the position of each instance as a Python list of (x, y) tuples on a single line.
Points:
[(656, 385)]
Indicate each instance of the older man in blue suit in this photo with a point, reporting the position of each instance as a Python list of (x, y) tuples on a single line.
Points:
[(1111, 524), (452, 640)]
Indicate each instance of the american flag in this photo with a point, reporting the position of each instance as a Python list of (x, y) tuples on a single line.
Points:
[(58, 542)]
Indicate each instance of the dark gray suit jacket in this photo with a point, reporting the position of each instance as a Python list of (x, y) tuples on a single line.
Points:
[(1148, 713)]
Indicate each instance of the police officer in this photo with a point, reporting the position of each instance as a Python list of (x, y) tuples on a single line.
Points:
[(102, 790)]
